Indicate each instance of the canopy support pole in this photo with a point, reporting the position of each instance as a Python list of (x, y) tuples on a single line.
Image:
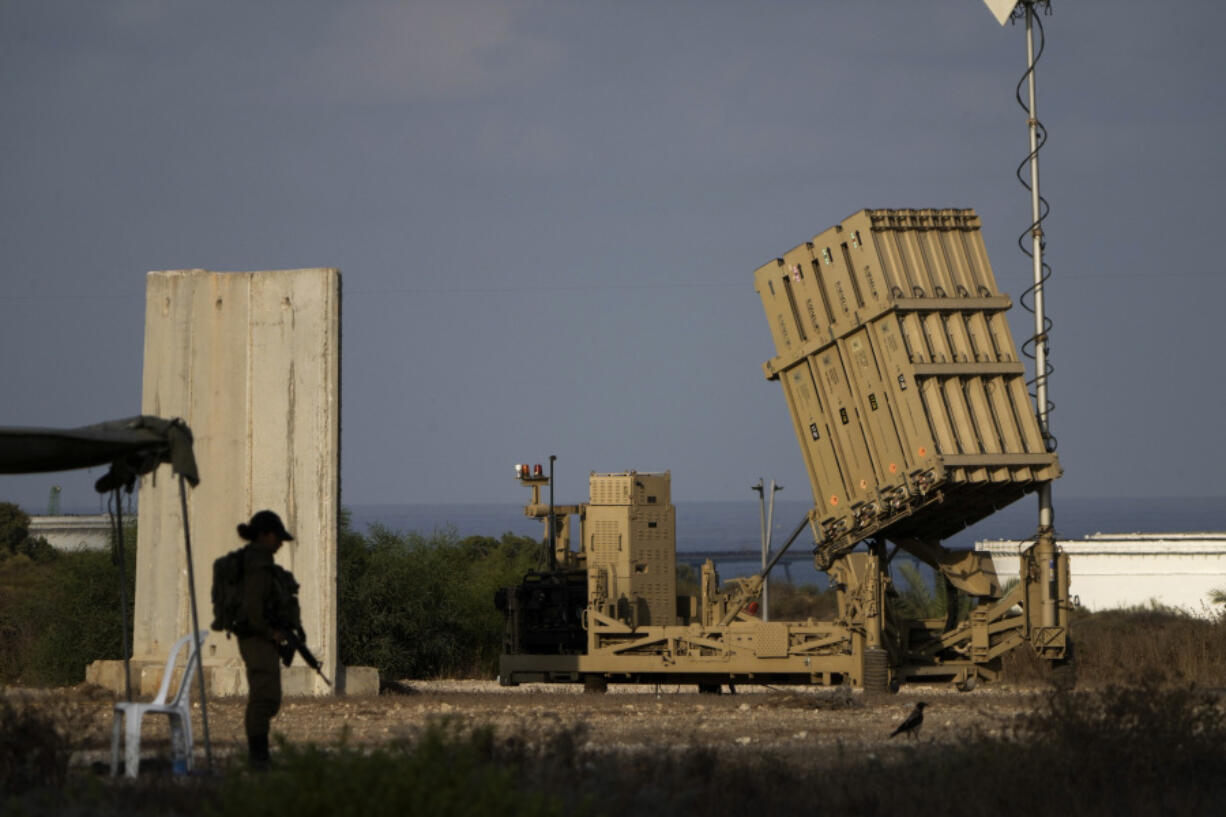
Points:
[(118, 556), (191, 583)]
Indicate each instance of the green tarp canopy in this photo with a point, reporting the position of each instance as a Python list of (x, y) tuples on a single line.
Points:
[(131, 447)]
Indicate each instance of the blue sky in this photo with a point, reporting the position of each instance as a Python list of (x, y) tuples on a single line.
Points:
[(548, 214)]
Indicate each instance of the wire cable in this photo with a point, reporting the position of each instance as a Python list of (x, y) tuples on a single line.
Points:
[(1030, 345)]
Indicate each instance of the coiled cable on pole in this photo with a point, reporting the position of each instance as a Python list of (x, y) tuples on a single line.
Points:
[(1037, 385)]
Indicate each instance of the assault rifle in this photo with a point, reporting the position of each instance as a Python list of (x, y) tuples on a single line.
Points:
[(295, 642)]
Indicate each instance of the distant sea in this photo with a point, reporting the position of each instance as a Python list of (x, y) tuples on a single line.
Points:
[(735, 525)]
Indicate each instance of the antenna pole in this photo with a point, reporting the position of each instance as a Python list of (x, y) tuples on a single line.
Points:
[(553, 544), (1046, 550), (1036, 237)]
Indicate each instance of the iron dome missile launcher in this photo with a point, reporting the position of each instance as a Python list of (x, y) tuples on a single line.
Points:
[(909, 401)]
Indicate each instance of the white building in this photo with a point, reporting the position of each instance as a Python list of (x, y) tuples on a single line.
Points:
[(86, 532), (1110, 571)]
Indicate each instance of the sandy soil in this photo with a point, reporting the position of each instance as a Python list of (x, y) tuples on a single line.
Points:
[(810, 722)]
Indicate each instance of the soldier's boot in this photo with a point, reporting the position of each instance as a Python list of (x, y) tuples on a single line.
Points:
[(257, 752)]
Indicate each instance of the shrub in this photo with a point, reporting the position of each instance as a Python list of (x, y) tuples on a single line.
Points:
[(58, 616), (417, 607), (1142, 645), (689, 580), (14, 528), (15, 539), (919, 599), (792, 602), (788, 601)]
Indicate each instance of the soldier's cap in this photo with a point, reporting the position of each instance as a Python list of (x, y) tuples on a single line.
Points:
[(264, 522)]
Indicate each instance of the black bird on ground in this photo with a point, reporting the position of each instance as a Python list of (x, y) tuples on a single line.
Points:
[(912, 724)]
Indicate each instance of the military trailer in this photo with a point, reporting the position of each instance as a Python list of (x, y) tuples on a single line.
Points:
[(910, 405)]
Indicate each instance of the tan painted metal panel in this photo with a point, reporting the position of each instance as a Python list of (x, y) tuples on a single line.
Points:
[(630, 535), (630, 488), (814, 433), (901, 375), (844, 422)]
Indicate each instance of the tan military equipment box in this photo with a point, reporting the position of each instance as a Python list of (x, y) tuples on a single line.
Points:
[(631, 488), (630, 535), (905, 387)]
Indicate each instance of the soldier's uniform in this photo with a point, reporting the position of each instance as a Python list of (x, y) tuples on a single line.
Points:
[(269, 608), (258, 648)]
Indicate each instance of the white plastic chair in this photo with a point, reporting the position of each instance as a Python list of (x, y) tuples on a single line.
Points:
[(178, 710)]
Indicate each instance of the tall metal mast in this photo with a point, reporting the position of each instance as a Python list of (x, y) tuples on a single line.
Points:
[(1036, 250), (1045, 552)]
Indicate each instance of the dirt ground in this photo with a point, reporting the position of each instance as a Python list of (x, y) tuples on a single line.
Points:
[(811, 722)]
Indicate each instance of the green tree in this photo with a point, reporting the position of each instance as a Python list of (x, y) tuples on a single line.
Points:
[(689, 580), (15, 536), (420, 607), (14, 528), (58, 616), (919, 599)]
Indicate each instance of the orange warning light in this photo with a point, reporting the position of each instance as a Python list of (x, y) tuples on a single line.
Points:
[(863, 484), (923, 452), (834, 500), (893, 468)]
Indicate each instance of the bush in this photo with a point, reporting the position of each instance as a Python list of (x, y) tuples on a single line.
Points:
[(797, 602), (1147, 645), (15, 539), (417, 607), (409, 605), (58, 616), (920, 599), (14, 528)]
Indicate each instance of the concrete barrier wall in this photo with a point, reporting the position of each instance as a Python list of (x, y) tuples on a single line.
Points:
[(251, 361)]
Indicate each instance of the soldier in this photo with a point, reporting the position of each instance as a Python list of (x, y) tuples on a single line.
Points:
[(265, 600)]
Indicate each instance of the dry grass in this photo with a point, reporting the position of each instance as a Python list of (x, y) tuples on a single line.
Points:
[(1150, 646), (1142, 645), (38, 734), (1129, 646), (1119, 750)]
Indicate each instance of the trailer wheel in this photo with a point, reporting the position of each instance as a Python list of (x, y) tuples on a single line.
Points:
[(877, 671), (595, 684)]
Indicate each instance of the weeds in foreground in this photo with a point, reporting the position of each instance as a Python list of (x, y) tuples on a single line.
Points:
[(449, 770), (1122, 750), (34, 747)]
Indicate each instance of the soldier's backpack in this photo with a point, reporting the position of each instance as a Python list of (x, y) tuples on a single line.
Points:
[(227, 592)]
